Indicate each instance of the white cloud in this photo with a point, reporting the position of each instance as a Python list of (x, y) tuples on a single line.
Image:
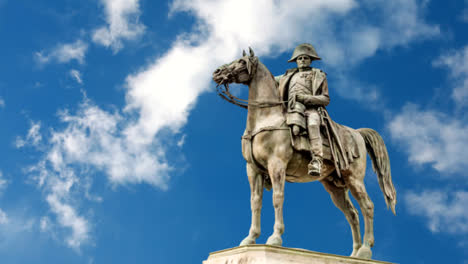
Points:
[(33, 137), (2, 102), (271, 27), (76, 75), (122, 17), (64, 53), (431, 137), (457, 62), (3, 217), (444, 212), (91, 141), (94, 137)]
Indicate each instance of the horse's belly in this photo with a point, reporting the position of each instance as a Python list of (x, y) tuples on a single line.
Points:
[(297, 170)]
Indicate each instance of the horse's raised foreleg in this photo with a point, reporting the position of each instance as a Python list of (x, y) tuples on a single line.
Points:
[(277, 172), (256, 195), (341, 200), (358, 190)]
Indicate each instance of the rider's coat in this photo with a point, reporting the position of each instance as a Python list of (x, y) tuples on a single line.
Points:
[(303, 90), (307, 94)]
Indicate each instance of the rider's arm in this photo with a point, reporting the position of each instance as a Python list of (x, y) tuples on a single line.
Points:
[(321, 99)]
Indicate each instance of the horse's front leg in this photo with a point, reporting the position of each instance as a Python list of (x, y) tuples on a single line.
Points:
[(277, 171), (256, 195)]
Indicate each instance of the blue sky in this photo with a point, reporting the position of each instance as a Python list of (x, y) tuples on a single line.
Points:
[(115, 147)]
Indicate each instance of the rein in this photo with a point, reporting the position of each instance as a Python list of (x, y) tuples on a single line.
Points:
[(223, 92)]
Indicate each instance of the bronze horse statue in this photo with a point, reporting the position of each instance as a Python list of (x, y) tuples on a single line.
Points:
[(272, 160)]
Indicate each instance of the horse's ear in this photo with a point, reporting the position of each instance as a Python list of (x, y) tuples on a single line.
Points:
[(251, 52), (244, 53), (249, 66)]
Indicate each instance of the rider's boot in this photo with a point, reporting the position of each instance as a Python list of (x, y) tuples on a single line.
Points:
[(316, 151)]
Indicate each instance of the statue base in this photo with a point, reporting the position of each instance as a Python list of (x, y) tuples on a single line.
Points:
[(265, 254)]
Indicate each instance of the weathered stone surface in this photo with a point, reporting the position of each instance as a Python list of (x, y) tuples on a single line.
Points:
[(282, 143), (266, 254)]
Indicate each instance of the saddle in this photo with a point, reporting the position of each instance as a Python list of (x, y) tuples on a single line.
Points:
[(343, 148)]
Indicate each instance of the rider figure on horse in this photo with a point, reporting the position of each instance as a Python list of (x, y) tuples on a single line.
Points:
[(306, 91)]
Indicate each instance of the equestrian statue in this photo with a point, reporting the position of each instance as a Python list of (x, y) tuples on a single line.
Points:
[(289, 136)]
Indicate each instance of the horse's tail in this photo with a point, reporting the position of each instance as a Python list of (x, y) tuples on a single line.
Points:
[(380, 163)]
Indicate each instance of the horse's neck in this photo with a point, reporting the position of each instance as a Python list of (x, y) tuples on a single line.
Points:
[(263, 88)]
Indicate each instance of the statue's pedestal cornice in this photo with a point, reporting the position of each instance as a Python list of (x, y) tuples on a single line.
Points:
[(265, 254)]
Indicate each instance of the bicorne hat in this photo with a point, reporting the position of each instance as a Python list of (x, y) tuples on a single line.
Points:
[(304, 49)]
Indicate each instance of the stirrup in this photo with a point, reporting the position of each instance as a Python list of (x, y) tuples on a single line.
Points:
[(315, 167)]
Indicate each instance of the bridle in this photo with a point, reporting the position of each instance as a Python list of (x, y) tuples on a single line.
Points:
[(223, 91)]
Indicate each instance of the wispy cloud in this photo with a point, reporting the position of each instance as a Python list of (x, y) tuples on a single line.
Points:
[(61, 185), (76, 75), (464, 13), (68, 218), (181, 142), (33, 137), (15, 228), (3, 183), (93, 137), (91, 142), (445, 211), (64, 53), (2, 102), (3, 217), (431, 137), (44, 224), (457, 62), (122, 18)]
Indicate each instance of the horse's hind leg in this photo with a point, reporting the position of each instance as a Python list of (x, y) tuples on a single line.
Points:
[(358, 190), (277, 172), (256, 194), (341, 200)]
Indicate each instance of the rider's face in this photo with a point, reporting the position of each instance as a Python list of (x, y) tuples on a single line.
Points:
[(303, 61)]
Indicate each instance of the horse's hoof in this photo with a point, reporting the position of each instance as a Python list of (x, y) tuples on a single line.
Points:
[(354, 253), (364, 252), (247, 241), (274, 240)]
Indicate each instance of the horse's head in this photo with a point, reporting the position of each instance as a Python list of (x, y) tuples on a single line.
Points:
[(238, 71)]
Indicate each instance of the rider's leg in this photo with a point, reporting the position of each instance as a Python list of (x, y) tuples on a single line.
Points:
[(313, 129)]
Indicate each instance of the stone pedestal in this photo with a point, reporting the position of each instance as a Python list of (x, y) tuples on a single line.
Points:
[(264, 254)]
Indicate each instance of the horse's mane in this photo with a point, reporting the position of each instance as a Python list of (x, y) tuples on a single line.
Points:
[(268, 70)]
